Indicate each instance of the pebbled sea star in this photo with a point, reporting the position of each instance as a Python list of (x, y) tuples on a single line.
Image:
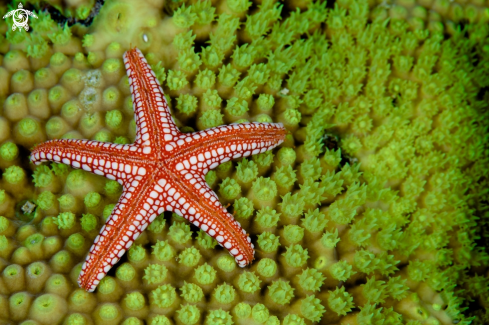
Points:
[(163, 170)]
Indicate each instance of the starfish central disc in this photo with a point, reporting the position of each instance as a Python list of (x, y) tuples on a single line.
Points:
[(163, 170)]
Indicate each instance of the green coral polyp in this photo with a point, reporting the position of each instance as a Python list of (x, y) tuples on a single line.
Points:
[(192, 293), (92, 200), (37, 47), (5, 226), (14, 275), (226, 263), (81, 300), (242, 310), (48, 308), (211, 99), (314, 221), (244, 89), (14, 175), (62, 261), (248, 282), (260, 313), (107, 286), (59, 62), (15, 107), (88, 222), (212, 57), (286, 156), (43, 176), (264, 190), (224, 294), (134, 301), (340, 301), (9, 151), (34, 244), (374, 290), (268, 242), (219, 317), (246, 171), (189, 257), (211, 118), (22, 81), (67, 202), (312, 309), (228, 76), (284, 177), (243, 208), (114, 118), (108, 312), (267, 218), (341, 271), (73, 79), (296, 256), (176, 80), (385, 108), (155, 273), (90, 122), (205, 274), (311, 279), (292, 206), (58, 284), (75, 319), (65, 220), (310, 169), (205, 241), (229, 189), (125, 272), (164, 296), (108, 210), (281, 292), (137, 254), (61, 36), (112, 187), (188, 314), (236, 108), (189, 61), (19, 304), (267, 267), (58, 95), (187, 104), (293, 233), (180, 232)]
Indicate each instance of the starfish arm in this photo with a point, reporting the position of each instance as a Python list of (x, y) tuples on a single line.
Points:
[(207, 149), (101, 158), (155, 125), (135, 210), (191, 198)]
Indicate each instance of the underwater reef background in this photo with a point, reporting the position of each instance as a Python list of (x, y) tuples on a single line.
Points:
[(373, 211)]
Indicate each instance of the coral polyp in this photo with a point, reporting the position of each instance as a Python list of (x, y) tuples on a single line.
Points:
[(372, 211)]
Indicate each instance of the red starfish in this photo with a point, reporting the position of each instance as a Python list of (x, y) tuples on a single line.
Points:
[(162, 171)]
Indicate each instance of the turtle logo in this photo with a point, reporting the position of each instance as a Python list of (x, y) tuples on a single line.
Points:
[(20, 17)]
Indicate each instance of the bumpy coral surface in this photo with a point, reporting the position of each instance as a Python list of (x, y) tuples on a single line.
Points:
[(373, 211)]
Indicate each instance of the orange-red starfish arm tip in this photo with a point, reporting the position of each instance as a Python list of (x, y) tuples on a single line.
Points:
[(163, 170)]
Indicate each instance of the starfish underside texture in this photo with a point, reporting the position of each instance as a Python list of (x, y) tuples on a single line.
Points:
[(163, 170)]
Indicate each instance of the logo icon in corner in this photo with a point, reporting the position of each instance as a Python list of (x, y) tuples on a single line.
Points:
[(20, 17)]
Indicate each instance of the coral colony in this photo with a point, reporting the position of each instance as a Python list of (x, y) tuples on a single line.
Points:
[(369, 208)]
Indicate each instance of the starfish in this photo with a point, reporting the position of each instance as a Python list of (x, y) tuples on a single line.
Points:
[(163, 170)]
